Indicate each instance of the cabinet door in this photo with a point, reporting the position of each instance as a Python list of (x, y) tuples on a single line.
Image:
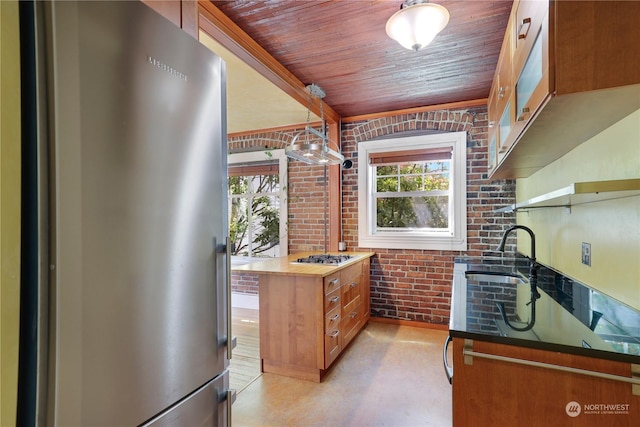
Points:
[(527, 23), (505, 132), (350, 274), (504, 72), (492, 125), (532, 91), (532, 87), (492, 156), (352, 321), (501, 136), (350, 291), (490, 392)]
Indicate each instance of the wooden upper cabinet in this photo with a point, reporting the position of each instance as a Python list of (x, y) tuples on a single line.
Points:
[(183, 13), (575, 70), (501, 101), (599, 46)]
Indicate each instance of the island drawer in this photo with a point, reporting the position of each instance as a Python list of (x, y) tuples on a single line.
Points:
[(332, 346), (332, 300), (332, 282), (351, 273), (350, 290), (351, 322), (332, 320)]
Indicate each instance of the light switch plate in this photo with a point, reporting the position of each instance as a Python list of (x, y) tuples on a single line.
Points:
[(586, 253)]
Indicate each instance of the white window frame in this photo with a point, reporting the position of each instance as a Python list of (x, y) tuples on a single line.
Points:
[(456, 237), (260, 156)]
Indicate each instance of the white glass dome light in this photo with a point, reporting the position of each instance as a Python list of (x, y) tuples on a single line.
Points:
[(417, 23)]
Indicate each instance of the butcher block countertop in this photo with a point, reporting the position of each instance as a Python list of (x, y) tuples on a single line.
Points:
[(288, 266)]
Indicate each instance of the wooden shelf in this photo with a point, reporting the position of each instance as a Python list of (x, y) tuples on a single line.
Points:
[(580, 193)]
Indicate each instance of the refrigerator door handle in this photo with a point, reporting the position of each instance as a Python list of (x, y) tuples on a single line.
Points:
[(231, 397), (229, 248)]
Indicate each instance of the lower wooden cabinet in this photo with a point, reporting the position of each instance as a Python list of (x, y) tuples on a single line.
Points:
[(307, 321), (494, 388)]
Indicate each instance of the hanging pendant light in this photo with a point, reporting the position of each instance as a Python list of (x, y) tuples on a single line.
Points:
[(417, 23), (311, 146)]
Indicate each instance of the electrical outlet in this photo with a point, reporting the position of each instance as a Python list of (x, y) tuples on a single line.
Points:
[(586, 253)]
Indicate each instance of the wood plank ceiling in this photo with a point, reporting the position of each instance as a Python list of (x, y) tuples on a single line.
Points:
[(342, 46)]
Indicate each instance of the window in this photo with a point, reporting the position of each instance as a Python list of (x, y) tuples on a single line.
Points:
[(257, 203), (412, 192)]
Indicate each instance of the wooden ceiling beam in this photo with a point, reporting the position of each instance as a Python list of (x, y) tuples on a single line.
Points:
[(217, 25)]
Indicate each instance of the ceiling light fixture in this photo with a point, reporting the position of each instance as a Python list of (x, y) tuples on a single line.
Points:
[(308, 151), (417, 23)]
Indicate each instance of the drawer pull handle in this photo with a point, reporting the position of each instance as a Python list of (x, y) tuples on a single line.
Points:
[(492, 124), (353, 284), (524, 115), (334, 334), (334, 299), (334, 281), (524, 28), (634, 381), (231, 397), (334, 317), (354, 314)]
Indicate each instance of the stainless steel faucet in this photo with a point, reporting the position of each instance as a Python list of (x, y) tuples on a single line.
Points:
[(533, 278)]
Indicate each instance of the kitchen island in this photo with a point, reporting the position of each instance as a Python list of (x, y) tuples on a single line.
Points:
[(577, 365), (309, 313)]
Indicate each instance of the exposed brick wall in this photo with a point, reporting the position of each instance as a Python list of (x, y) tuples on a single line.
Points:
[(244, 283), (260, 141), (307, 205), (415, 284), (305, 192), (405, 283)]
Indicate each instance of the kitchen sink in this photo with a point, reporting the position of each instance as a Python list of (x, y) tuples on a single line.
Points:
[(496, 277)]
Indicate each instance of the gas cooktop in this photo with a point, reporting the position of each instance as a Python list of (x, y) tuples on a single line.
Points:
[(325, 259)]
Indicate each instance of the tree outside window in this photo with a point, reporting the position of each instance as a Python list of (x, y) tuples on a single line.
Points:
[(257, 204), (413, 195), (254, 220)]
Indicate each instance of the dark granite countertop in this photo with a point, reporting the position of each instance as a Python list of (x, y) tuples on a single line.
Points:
[(570, 316)]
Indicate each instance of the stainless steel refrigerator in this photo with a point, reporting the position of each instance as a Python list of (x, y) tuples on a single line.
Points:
[(125, 264)]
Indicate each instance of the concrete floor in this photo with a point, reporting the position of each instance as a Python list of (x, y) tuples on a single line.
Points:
[(390, 375)]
